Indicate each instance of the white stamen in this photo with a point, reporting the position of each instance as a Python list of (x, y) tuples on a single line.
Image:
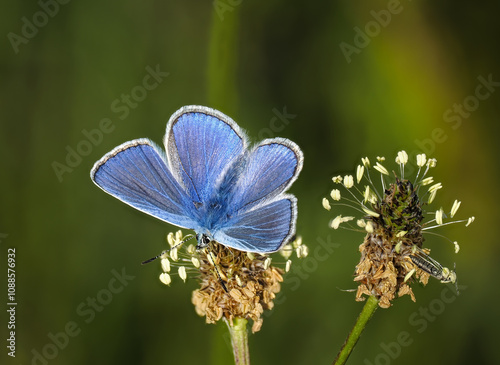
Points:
[(191, 249), (171, 239), (469, 221), (365, 161), (335, 194), (369, 227), (370, 212), (435, 187), (165, 265), (165, 278), (432, 196), (182, 273), (421, 159), (196, 262), (174, 254), (427, 181), (298, 241), (359, 173), (369, 195), (304, 251), (337, 179), (402, 158), (336, 222), (455, 207), (326, 204), (286, 251), (409, 275), (439, 216), (381, 169), (288, 265), (348, 181), (178, 236), (339, 219)]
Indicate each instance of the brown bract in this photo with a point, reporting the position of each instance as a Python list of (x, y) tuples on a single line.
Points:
[(251, 286), (381, 271)]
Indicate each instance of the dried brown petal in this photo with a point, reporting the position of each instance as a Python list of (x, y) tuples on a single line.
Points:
[(247, 297)]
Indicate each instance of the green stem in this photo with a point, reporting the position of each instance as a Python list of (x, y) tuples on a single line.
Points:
[(370, 306), (239, 340), (223, 59), (222, 95)]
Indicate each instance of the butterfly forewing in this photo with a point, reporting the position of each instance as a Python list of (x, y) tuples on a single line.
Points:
[(136, 173), (271, 168), (200, 148)]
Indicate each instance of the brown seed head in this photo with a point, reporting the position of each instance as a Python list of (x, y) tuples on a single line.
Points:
[(385, 262), (251, 283)]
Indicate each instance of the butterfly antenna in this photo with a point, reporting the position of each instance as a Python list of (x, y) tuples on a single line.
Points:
[(211, 258), (165, 251)]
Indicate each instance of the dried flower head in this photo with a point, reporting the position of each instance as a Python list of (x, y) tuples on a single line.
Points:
[(233, 284), (392, 255)]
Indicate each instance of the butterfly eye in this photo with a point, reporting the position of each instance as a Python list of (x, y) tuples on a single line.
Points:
[(203, 240)]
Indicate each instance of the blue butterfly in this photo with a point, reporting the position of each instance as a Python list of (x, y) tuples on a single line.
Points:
[(209, 180)]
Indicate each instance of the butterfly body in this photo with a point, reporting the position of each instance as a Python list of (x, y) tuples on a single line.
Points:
[(209, 181)]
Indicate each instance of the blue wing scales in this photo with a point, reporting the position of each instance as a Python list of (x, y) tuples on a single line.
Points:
[(271, 168), (136, 173), (264, 229), (202, 144), (209, 181)]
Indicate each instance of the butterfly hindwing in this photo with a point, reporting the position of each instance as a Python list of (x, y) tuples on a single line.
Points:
[(265, 228)]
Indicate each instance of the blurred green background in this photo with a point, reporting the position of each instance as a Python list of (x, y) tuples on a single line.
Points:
[(347, 96)]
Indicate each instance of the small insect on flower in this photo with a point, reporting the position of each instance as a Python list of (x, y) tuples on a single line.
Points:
[(432, 267), (394, 220)]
